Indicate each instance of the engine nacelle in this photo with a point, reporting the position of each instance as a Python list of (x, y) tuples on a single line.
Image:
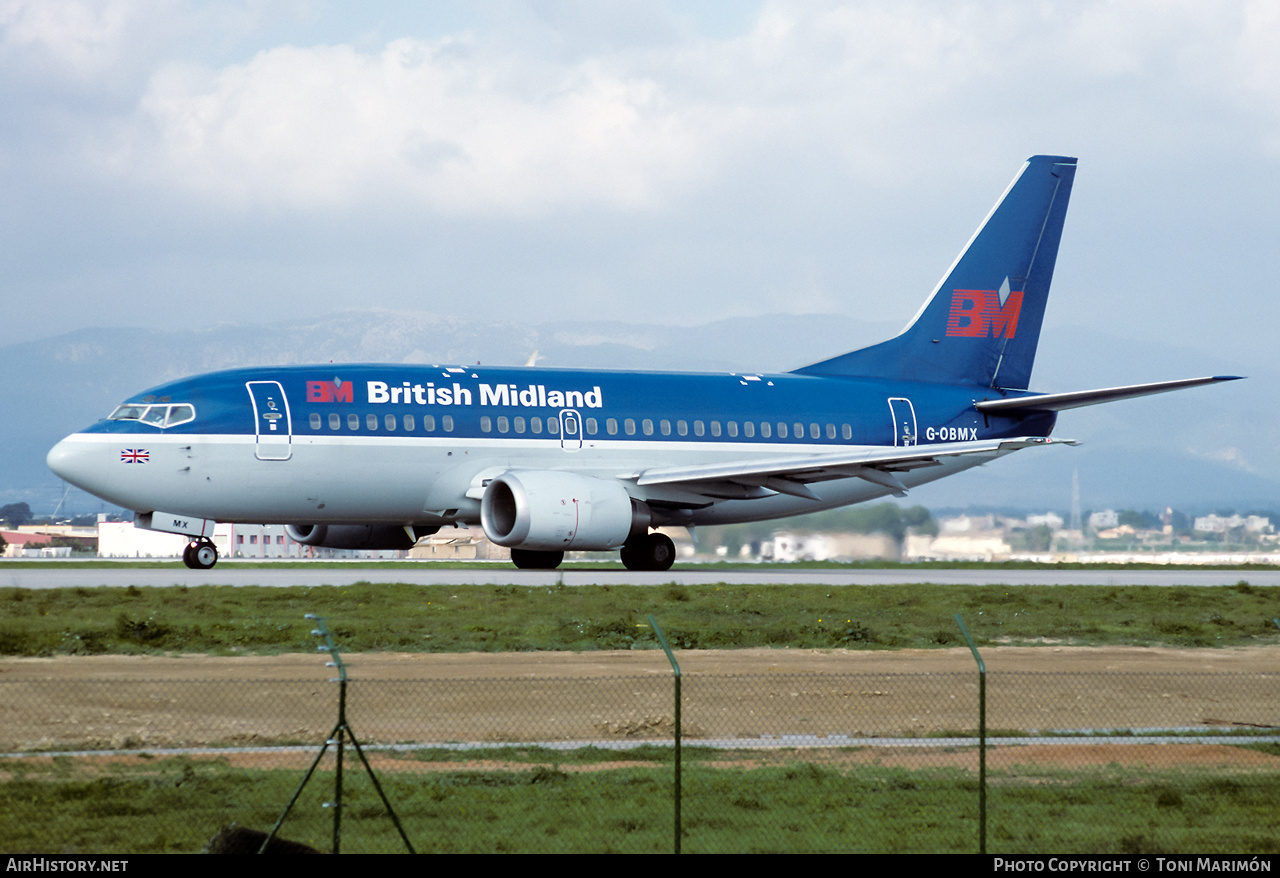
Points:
[(550, 511), (357, 536)]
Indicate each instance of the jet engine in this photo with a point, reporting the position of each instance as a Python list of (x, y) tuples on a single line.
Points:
[(358, 536), (548, 511)]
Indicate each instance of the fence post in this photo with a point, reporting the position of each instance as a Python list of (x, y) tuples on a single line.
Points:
[(982, 737), (341, 732), (675, 666)]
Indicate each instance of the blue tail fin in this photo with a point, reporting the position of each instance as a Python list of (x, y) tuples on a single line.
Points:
[(982, 322)]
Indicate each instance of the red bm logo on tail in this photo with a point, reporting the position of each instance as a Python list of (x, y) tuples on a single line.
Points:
[(980, 314), (329, 391)]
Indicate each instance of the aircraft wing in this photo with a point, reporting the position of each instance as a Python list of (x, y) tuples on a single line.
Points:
[(1056, 402), (746, 479)]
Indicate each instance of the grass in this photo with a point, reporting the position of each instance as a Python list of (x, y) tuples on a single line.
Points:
[(553, 801), (174, 805), (608, 561), (224, 620)]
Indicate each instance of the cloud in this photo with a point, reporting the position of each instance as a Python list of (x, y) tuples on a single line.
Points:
[(516, 124), (555, 156), (441, 123)]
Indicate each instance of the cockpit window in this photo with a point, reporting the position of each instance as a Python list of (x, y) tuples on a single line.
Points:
[(156, 415), (180, 414), (128, 413)]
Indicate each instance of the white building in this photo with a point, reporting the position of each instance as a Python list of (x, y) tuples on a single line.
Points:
[(1051, 520), (1218, 524), (120, 539), (1107, 518)]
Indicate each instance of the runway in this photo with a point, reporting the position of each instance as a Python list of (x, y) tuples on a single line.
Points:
[(232, 574)]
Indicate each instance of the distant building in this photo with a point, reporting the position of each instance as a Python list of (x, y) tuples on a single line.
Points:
[(458, 544), (957, 547), (21, 544), (962, 524), (120, 539), (1218, 524), (1103, 520), (788, 546), (1050, 520)]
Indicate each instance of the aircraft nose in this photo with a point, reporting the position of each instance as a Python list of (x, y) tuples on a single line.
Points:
[(74, 462), (57, 459)]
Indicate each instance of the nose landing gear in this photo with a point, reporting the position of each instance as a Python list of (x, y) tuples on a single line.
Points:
[(200, 554)]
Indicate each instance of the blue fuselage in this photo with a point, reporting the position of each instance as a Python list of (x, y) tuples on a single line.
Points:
[(414, 444)]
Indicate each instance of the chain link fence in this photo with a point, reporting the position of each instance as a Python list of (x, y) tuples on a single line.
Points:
[(1075, 763)]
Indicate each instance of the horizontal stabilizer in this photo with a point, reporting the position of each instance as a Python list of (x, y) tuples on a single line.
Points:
[(788, 475), (1056, 402)]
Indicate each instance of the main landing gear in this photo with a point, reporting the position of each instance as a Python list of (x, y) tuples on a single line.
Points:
[(650, 552), (530, 559), (200, 554)]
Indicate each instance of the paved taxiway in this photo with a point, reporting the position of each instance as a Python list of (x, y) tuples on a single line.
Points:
[(70, 576)]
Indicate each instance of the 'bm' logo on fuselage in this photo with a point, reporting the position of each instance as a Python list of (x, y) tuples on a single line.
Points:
[(329, 391), (978, 313)]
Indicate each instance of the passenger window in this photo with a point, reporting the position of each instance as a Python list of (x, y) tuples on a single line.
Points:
[(682, 428), (592, 427), (571, 426), (733, 429), (315, 420), (831, 431), (486, 423), (410, 424), (749, 429), (846, 431), (371, 421), (764, 429), (353, 422), (553, 426), (629, 426), (799, 433), (504, 424), (519, 424), (429, 423), (446, 421), (335, 421), (536, 424), (699, 429), (715, 428), (665, 426), (611, 426), (646, 426), (782, 430), (389, 421), (815, 432)]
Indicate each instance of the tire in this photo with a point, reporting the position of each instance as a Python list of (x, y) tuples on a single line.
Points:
[(654, 552), (662, 552), (633, 556), (529, 559), (204, 556)]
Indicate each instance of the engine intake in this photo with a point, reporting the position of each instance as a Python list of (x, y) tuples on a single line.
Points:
[(550, 511)]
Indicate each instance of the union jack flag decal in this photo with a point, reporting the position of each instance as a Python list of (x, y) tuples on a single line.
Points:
[(135, 455)]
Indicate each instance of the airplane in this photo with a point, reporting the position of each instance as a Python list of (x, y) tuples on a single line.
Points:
[(545, 461)]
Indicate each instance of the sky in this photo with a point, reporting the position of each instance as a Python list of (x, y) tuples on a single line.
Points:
[(171, 163)]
